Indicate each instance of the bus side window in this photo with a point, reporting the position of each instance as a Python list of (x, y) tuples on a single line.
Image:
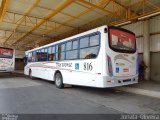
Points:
[(90, 51), (33, 56), (36, 56), (30, 57), (94, 40), (39, 55), (69, 45), (42, 55), (51, 53), (71, 50), (54, 52), (75, 44), (61, 51), (84, 42)]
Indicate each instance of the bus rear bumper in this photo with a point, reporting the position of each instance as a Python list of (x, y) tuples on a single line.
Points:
[(118, 81), (7, 70)]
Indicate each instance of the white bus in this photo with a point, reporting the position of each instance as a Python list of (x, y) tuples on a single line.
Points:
[(7, 59), (102, 57)]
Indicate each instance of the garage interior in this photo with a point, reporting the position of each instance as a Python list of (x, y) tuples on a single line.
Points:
[(27, 24), (35, 23)]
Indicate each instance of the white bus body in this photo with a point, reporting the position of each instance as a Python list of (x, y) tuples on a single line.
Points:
[(7, 59), (94, 63)]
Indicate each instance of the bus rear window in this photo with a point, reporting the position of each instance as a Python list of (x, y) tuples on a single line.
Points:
[(121, 40), (6, 53)]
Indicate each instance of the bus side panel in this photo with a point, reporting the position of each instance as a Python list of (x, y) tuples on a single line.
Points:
[(51, 73), (82, 75), (85, 79), (43, 70), (36, 72), (102, 62), (104, 54)]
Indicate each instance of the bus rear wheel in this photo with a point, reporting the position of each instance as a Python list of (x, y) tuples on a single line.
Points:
[(59, 80)]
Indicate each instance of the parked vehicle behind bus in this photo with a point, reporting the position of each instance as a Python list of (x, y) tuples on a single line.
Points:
[(7, 59), (102, 57)]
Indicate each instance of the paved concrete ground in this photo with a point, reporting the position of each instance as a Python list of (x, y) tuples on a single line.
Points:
[(147, 88), (19, 94), (147, 85)]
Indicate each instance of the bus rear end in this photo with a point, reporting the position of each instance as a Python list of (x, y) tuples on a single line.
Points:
[(121, 58), (7, 60)]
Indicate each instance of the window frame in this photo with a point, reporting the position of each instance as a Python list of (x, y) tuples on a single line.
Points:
[(92, 34), (71, 40), (88, 48), (82, 38), (29, 56), (52, 46), (71, 45), (39, 50), (45, 48), (9, 57), (119, 50), (57, 52), (90, 40)]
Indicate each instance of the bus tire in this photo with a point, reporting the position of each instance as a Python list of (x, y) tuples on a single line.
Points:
[(30, 74), (59, 80)]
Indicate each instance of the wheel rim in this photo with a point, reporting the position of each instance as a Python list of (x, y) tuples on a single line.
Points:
[(58, 80)]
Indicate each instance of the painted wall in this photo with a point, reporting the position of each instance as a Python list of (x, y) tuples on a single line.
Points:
[(19, 53), (155, 66), (19, 63)]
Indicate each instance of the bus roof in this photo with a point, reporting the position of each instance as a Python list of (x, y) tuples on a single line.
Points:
[(69, 38)]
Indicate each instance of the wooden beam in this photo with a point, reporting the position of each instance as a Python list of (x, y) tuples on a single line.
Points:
[(152, 4), (14, 14), (100, 8), (50, 15), (76, 16), (3, 9), (23, 18)]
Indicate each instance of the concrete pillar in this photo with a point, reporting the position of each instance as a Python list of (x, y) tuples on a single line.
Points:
[(146, 48)]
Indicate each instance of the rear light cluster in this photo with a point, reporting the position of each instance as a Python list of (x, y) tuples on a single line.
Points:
[(110, 70)]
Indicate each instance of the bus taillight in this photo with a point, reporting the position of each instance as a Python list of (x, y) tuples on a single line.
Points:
[(109, 66)]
